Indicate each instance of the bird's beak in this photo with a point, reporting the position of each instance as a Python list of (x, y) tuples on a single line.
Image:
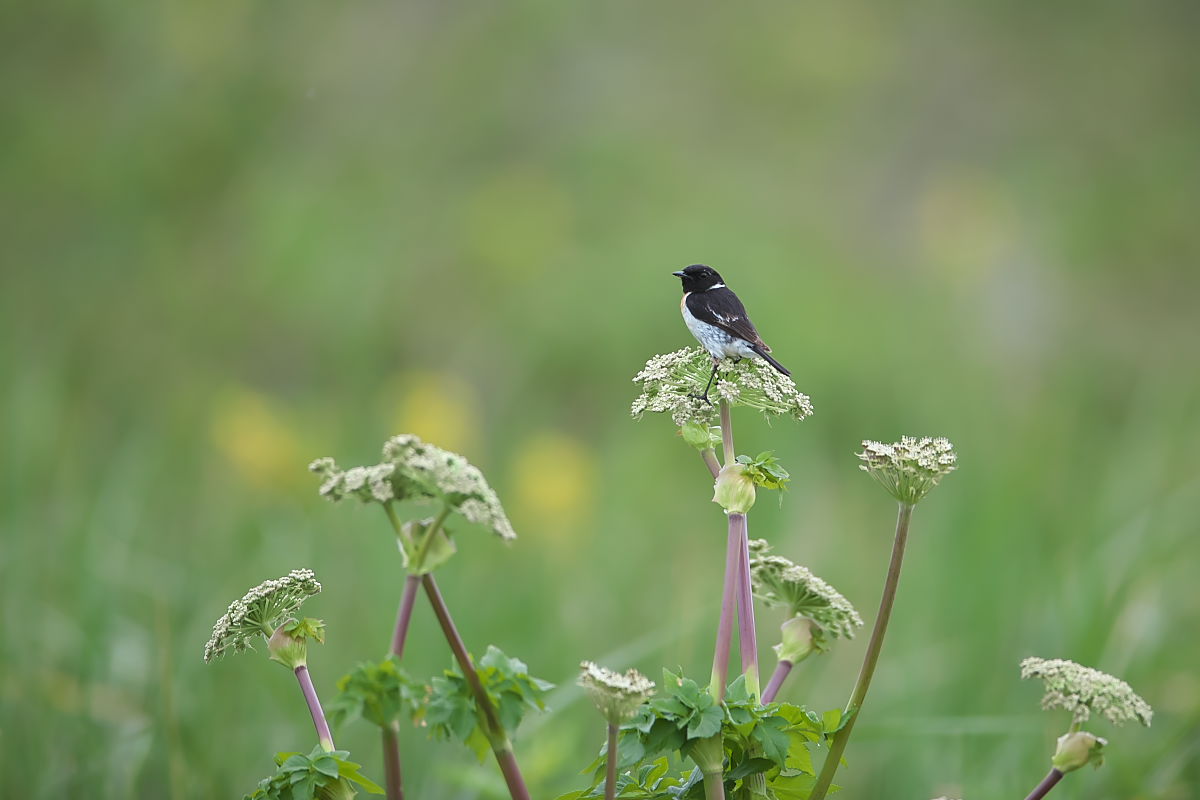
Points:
[(678, 274)]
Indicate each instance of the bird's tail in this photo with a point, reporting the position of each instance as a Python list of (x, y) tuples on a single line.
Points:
[(762, 352)]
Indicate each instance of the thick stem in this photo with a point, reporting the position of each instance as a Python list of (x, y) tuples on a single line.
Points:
[(495, 731), (727, 435), (854, 708), (404, 614), (747, 637), (720, 669), (610, 777), (782, 670), (714, 786), (710, 461), (314, 708), (391, 763), (1046, 785)]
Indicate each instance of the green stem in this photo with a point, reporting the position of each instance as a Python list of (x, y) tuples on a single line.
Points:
[(710, 461), (727, 435), (714, 786), (853, 709)]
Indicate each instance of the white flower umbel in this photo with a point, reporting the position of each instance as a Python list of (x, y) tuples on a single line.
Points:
[(673, 382), (617, 696), (413, 469), (259, 612), (909, 468), (1085, 691), (780, 582)]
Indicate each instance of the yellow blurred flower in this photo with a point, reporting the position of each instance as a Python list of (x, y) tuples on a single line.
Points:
[(438, 407), (553, 482), (256, 441)]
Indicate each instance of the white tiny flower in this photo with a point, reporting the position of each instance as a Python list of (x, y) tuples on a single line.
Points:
[(1083, 690), (259, 612), (673, 382), (777, 581), (617, 696), (910, 468)]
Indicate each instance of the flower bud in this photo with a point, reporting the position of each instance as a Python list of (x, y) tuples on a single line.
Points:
[(1078, 749), (700, 436), (796, 642), (734, 490), (287, 648)]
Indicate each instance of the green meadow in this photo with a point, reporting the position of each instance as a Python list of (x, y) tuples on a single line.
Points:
[(241, 236)]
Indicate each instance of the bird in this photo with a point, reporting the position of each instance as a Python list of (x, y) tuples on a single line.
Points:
[(718, 320)]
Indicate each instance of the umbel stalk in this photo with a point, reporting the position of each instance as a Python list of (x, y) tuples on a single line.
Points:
[(314, 708), (1048, 783), (496, 735), (854, 708)]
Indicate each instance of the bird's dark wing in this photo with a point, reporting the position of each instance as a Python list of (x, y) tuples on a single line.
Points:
[(721, 307)]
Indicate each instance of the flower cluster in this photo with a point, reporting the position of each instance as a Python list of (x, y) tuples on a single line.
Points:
[(673, 383), (260, 611), (1083, 690), (780, 582), (413, 469), (909, 468), (616, 696)]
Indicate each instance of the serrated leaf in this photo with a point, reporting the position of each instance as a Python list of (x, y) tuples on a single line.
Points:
[(706, 723), (771, 734), (326, 765), (831, 721), (799, 758)]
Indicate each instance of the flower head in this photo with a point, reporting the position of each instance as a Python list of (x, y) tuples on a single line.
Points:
[(260, 611), (413, 469), (672, 383), (1083, 690), (780, 582), (616, 696), (909, 468)]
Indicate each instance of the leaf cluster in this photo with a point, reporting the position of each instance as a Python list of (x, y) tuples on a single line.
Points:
[(320, 775), (769, 740), (379, 692), (765, 470), (452, 713)]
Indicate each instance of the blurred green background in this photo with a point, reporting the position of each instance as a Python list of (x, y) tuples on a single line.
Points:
[(239, 236)]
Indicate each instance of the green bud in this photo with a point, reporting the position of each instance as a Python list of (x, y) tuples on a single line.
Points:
[(734, 490), (701, 437), (289, 650), (1078, 749), (289, 644), (796, 642)]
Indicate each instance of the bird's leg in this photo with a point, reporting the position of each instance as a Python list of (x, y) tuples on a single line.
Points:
[(708, 385)]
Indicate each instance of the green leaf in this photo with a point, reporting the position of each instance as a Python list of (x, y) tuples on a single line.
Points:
[(751, 766), (706, 723), (765, 470), (771, 734), (326, 765), (351, 772), (831, 720)]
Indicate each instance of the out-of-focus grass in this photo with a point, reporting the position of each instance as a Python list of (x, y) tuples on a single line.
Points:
[(239, 237)]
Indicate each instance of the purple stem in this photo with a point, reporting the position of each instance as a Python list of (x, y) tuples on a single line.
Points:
[(747, 638), (720, 670), (1046, 785), (495, 731), (610, 778), (404, 615), (391, 763), (314, 708), (782, 670), (710, 461)]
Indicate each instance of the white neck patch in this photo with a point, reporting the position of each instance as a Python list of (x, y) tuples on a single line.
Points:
[(715, 286)]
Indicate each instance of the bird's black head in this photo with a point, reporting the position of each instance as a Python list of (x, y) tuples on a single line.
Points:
[(698, 278)]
